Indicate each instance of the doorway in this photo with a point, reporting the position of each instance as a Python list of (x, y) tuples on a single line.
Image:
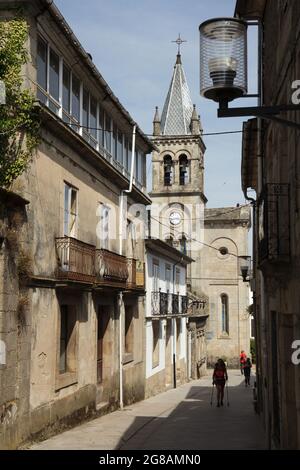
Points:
[(103, 320)]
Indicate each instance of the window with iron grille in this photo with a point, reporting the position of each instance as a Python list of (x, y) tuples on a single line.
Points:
[(274, 223)]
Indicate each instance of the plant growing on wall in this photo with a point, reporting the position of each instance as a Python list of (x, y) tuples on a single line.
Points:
[(19, 117)]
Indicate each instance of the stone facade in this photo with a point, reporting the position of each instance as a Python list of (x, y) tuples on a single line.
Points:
[(270, 167), (226, 238)]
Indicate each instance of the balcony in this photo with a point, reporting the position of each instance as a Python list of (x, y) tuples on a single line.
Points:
[(75, 260), (164, 304), (136, 274), (274, 223), (111, 269)]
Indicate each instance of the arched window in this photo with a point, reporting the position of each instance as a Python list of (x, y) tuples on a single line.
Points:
[(168, 170), (183, 170), (225, 314)]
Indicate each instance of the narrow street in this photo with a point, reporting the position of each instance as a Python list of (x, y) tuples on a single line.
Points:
[(177, 419)]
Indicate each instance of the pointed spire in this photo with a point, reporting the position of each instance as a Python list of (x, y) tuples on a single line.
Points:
[(156, 122), (195, 122), (178, 108)]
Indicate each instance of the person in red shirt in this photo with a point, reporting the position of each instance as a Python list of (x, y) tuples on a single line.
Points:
[(243, 358), (219, 379)]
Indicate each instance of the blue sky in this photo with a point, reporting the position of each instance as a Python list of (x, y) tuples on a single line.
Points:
[(130, 41)]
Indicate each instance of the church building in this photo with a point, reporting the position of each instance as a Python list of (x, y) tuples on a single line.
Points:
[(218, 319)]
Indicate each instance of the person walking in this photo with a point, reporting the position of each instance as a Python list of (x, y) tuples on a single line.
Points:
[(243, 357), (220, 377), (247, 372)]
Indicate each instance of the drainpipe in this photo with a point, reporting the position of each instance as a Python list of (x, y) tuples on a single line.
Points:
[(121, 305)]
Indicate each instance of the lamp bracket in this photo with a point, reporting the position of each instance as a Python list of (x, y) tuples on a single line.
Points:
[(264, 112)]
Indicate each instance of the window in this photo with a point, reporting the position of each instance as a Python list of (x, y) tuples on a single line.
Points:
[(168, 171), (66, 90), (75, 98), (104, 227), (183, 245), (67, 349), (42, 69), (126, 156), (120, 147), (93, 118), (114, 141), (107, 127), (177, 279), (129, 156), (140, 171), (225, 314), (155, 275), (85, 112), (70, 211), (54, 75), (155, 343), (183, 170), (101, 127), (128, 343), (168, 277)]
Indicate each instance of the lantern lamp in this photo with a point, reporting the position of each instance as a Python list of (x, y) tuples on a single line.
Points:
[(223, 59)]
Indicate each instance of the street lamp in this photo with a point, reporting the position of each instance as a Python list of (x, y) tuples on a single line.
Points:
[(245, 267), (223, 70), (223, 59)]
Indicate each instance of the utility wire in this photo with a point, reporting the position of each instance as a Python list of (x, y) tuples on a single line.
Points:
[(215, 215), (193, 239)]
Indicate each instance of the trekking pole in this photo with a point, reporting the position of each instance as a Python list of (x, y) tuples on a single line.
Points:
[(211, 398), (227, 393)]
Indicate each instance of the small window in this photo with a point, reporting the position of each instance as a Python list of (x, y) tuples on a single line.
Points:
[(223, 251), (183, 245), (168, 171), (225, 314), (155, 343), (67, 353)]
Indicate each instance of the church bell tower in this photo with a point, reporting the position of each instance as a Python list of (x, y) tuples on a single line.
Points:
[(178, 173)]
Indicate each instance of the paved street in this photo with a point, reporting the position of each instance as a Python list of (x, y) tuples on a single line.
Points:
[(178, 419)]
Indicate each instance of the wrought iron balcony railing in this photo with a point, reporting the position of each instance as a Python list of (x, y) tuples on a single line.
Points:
[(111, 268), (76, 260), (163, 303), (184, 304)]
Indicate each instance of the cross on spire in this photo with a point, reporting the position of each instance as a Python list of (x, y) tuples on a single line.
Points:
[(179, 41)]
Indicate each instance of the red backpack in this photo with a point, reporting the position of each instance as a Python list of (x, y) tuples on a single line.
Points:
[(219, 374)]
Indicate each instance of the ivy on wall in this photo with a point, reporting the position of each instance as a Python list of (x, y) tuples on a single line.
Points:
[(19, 117)]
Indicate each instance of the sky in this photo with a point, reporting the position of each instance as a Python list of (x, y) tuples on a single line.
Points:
[(131, 45)]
